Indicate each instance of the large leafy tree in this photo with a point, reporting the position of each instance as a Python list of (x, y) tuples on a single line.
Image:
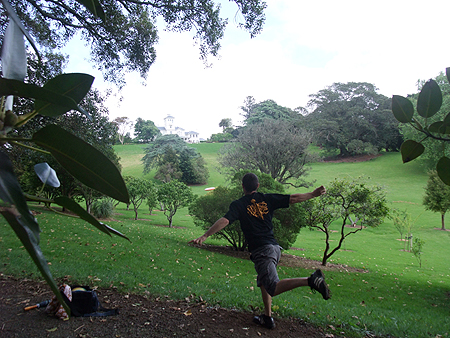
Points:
[(275, 147), (268, 109), (353, 118), (123, 34), (145, 131), (123, 124), (437, 196), (174, 159)]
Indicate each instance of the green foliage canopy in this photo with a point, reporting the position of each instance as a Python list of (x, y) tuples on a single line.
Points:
[(353, 203), (145, 131), (353, 118), (139, 190), (175, 160), (174, 195), (275, 147), (437, 196), (132, 47)]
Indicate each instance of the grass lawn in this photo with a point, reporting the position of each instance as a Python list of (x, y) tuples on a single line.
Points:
[(394, 296)]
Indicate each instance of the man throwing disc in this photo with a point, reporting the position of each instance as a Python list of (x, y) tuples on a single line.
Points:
[(254, 211)]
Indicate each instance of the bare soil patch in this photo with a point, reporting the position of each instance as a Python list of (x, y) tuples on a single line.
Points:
[(349, 159), (141, 316)]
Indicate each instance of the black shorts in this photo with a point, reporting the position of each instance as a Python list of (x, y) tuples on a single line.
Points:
[(266, 260)]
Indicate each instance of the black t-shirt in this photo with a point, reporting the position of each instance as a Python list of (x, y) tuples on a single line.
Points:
[(255, 212)]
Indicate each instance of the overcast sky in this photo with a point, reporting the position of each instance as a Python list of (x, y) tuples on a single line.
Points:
[(305, 46)]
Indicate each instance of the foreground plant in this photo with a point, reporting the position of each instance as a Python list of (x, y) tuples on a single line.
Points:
[(429, 103), (59, 95)]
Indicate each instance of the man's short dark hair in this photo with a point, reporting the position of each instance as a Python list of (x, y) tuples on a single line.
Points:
[(250, 182)]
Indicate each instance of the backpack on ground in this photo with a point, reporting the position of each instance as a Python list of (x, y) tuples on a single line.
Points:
[(85, 303)]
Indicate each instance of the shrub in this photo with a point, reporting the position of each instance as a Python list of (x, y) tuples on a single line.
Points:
[(102, 208), (209, 208)]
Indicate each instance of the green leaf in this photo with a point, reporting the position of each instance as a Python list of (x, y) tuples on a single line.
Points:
[(410, 150), (402, 109), (11, 193), (430, 99), (21, 89), (74, 85), (443, 169), (77, 209), (23, 230), (447, 73), (447, 120), (94, 7), (83, 161), (439, 127)]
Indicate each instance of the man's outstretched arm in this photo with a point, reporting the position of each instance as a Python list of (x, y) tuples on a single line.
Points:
[(216, 227), (297, 198)]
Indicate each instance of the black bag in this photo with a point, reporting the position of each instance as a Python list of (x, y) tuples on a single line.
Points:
[(85, 303)]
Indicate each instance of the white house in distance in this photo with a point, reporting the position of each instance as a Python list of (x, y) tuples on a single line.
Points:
[(170, 129)]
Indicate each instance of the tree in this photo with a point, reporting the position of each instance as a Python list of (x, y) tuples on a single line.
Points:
[(353, 203), (221, 137), (132, 47), (352, 118), (145, 131), (248, 107), (139, 189), (174, 159), (174, 195), (225, 123), (267, 109), (212, 206), (56, 97), (437, 196), (274, 147), (123, 124)]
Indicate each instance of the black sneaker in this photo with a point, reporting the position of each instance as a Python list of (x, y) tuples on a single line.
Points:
[(317, 282), (265, 321)]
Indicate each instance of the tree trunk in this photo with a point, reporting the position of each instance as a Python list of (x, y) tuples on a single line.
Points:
[(443, 223)]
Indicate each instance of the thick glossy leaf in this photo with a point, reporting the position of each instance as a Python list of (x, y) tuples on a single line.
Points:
[(83, 161), (402, 109), (447, 120), (443, 169), (19, 88), (439, 127), (94, 7), (74, 85), (410, 150), (77, 209), (430, 99), (11, 193), (22, 228), (47, 174)]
